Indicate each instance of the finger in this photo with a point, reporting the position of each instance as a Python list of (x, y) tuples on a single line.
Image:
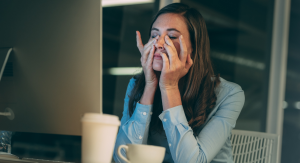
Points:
[(146, 54), (169, 42), (183, 50), (150, 56), (166, 65), (172, 55), (151, 41), (139, 42), (147, 48)]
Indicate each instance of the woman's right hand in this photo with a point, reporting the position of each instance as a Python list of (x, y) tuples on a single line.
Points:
[(147, 52)]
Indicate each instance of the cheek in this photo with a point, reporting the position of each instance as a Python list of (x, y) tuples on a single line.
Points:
[(178, 49), (177, 46)]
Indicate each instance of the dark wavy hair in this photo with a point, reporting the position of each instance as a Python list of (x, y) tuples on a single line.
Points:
[(197, 86)]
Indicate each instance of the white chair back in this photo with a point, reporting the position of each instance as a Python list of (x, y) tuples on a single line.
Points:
[(254, 147)]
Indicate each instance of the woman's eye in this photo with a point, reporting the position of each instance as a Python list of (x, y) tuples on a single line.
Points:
[(153, 36), (172, 37)]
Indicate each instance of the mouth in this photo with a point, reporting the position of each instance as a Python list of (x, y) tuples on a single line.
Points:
[(157, 56)]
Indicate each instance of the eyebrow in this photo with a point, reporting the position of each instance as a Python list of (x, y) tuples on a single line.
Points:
[(169, 29)]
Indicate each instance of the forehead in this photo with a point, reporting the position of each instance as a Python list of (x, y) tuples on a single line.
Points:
[(170, 20)]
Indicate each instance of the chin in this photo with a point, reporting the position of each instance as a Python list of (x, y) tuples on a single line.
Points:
[(157, 66)]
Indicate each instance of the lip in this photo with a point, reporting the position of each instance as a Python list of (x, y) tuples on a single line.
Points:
[(157, 56)]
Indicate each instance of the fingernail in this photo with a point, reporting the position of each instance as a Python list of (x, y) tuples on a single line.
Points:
[(181, 36), (136, 32)]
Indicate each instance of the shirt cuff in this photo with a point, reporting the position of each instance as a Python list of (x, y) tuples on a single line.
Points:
[(173, 116), (142, 113)]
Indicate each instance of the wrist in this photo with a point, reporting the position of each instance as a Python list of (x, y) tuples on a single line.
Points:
[(151, 86), (170, 90), (164, 88), (151, 83), (170, 98), (148, 95)]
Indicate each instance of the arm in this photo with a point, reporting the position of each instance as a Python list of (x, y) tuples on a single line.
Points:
[(185, 147), (134, 129)]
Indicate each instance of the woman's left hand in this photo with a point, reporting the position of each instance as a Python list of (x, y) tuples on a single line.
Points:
[(174, 66)]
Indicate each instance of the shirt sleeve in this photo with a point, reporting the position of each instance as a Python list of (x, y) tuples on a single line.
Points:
[(134, 129), (185, 147)]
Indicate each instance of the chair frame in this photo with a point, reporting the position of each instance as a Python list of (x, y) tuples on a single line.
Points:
[(247, 145)]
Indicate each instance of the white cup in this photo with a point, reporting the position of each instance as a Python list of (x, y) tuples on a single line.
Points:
[(137, 153), (99, 132)]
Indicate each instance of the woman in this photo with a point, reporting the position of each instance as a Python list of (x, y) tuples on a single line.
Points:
[(177, 102)]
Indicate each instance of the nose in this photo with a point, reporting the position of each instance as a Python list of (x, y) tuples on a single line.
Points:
[(160, 43)]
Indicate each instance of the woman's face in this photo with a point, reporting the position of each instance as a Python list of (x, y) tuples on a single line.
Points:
[(172, 25)]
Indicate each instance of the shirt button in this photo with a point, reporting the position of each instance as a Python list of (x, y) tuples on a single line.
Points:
[(169, 145), (165, 120), (140, 137), (144, 113), (150, 113)]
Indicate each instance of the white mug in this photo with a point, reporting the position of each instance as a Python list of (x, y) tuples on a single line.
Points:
[(137, 153)]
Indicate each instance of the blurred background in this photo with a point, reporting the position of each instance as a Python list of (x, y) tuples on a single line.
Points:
[(241, 33)]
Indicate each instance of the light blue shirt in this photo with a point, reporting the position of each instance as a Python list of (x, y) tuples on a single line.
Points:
[(212, 143)]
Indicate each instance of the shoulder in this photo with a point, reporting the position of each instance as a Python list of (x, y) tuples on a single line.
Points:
[(226, 88), (229, 96), (229, 85), (228, 92)]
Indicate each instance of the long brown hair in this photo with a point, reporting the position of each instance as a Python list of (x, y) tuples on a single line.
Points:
[(197, 86)]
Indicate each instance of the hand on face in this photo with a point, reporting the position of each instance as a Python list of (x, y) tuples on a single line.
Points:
[(147, 52), (174, 66)]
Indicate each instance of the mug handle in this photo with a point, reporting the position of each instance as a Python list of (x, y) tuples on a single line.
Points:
[(120, 154)]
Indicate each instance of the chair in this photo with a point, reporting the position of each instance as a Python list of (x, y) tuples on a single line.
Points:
[(254, 147)]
